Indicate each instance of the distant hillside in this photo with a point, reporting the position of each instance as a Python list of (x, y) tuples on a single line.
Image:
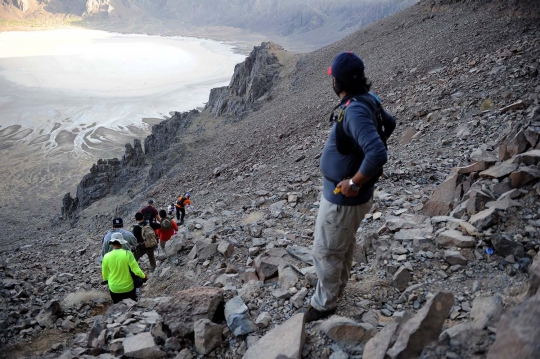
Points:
[(315, 23)]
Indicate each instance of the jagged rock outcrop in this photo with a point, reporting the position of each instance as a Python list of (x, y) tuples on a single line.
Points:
[(165, 133), (22, 5), (252, 80), (134, 155), (98, 7), (97, 184), (69, 205), (106, 177)]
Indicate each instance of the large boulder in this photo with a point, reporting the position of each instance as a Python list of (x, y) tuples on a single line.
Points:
[(504, 246), (444, 197), (283, 341), (347, 332), (267, 267), (208, 336), (377, 346), (189, 306), (142, 346), (486, 311), (49, 313), (518, 332), (237, 316), (454, 238), (423, 328)]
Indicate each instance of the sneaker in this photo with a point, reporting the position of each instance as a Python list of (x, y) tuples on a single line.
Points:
[(313, 314)]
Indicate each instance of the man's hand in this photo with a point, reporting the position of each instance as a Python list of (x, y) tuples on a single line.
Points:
[(346, 189)]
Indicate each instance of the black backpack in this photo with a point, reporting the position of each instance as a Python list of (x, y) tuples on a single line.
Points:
[(347, 145), (147, 215), (181, 201)]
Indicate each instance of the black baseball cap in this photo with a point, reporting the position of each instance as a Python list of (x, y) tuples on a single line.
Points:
[(117, 222), (347, 68), (150, 201)]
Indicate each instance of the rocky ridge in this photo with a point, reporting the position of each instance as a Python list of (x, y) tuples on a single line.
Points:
[(247, 247)]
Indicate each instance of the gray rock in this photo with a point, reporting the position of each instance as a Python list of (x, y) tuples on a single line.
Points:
[(172, 344), (302, 253), (207, 336), (444, 197), (524, 175), (377, 346), (485, 219), (49, 314), (142, 346), (225, 248), (423, 328), (401, 278), (290, 336), (263, 320), (451, 237), (518, 332), (184, 354), (287, 277), (502, 169), (237, 316), (189, 306), (205, 249), (161, 331), (298, 299), (340, 354), (346, 332), (534, 277), (95, 331), (505, 246), (486, 312), (455, 257), (267, 266)]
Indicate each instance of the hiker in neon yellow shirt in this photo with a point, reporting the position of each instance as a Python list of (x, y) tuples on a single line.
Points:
[(115, 270)]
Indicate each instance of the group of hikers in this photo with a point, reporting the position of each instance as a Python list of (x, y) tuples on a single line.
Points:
[(351, 163), (122, 249)]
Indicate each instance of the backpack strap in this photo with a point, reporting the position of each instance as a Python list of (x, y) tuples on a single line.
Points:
[(347, 145)]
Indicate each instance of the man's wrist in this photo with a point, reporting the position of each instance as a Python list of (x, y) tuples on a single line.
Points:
[(353, 185)]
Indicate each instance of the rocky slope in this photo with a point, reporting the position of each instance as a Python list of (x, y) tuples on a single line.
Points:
[(449, 247)]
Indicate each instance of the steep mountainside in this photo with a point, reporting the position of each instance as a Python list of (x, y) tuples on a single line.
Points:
[(451, 241)]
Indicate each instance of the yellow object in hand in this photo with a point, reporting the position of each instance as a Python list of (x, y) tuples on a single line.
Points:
[(337, 190)]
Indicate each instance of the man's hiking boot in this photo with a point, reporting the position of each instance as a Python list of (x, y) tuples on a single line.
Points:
[(313, 314)]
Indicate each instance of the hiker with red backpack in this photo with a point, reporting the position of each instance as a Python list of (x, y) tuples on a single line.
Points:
[(351, 163), (147, 239), (167, 230), (181, 203)]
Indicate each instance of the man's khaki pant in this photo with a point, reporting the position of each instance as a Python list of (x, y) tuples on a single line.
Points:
[(333, 250), (139, 252)]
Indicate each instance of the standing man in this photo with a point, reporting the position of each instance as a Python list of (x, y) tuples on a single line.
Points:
[(115, 270), (151, 215), (141, 248), (118, 224), (351, 163), (181, 203)]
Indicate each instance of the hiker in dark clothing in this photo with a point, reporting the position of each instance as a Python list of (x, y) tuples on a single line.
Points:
[(151, 215), (351, 163), (181, 203), (141, 248)]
